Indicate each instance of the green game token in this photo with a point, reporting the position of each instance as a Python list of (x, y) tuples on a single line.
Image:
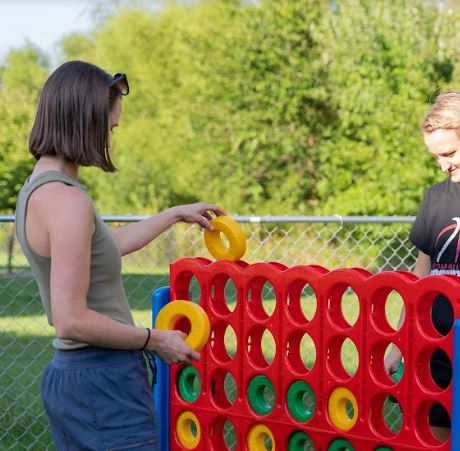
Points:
[(340, 445), (298, 441), (295, 401), (258, 388), (189, 384)]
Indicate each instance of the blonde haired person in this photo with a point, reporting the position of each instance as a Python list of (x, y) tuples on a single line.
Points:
[(436, 234), (95, 390)]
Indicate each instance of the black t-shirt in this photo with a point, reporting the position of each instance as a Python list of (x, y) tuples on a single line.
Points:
[(436, 232)]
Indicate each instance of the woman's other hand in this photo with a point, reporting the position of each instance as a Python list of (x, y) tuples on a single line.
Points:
[(392, 361)]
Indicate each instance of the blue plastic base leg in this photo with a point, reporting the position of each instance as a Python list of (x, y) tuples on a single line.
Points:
[(455, 431), (160, 297)]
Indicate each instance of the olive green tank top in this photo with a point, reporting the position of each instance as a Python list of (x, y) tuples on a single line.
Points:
[(106, 294)]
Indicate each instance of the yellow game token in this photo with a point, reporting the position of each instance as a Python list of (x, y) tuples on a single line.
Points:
[(257, 436), (235, 236), (184, 428), (337, 408), (199, 321)]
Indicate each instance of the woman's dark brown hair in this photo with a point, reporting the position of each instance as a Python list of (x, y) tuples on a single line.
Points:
[(73, 115)]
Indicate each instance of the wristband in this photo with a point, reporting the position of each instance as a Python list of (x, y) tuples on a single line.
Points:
[(146, 341)]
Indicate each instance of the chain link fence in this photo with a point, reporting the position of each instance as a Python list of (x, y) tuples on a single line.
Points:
[(373, 243)]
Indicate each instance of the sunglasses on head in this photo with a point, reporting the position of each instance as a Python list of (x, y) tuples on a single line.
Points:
[(121, 82)]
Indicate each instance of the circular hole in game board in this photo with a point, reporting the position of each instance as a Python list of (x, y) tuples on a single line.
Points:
[(377, 363), (393, 307), (386, 416), (342, 357), (300, 352), (343, 306), (308, 302), (223, 294), (349, 356), (223, 388), (268, 346), (302, 303), (229, 436), (230, 341), (386, 307), (391, 351), (392, 414), (424, 411), (223, 341), (439, 412), (261, 347), (194, 290), (223, 435), (187, 287), (261, 298), (308, 351), (230, 295), (435, 315), (434, 369), (442, 315)]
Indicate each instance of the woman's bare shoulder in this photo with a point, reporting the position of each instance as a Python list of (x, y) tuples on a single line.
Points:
[(53, 199)]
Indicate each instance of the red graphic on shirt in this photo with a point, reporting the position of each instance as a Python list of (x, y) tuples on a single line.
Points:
[(456, 229)]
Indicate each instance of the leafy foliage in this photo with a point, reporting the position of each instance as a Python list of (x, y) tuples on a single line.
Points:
[(287, 107), (23, 74)]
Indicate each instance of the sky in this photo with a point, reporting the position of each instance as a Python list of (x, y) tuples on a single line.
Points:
[(42, 22)]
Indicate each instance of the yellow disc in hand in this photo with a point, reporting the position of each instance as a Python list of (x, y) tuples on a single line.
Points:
[(199, 321), (257, 436), (188, 430), (235, 236)]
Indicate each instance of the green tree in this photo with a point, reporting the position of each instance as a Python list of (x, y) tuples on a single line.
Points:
[(21, 77), (385, 60), (225, 105), (26, 67), (264, 109), (284, 107)]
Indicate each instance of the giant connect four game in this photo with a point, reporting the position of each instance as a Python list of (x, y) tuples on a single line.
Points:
[(239, 396)]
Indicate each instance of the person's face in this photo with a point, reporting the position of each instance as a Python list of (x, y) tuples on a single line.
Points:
[(114, 118), (445, 146)]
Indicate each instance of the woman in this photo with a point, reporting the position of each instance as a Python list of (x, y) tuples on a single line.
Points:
[(96, 390), (436, 234)]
